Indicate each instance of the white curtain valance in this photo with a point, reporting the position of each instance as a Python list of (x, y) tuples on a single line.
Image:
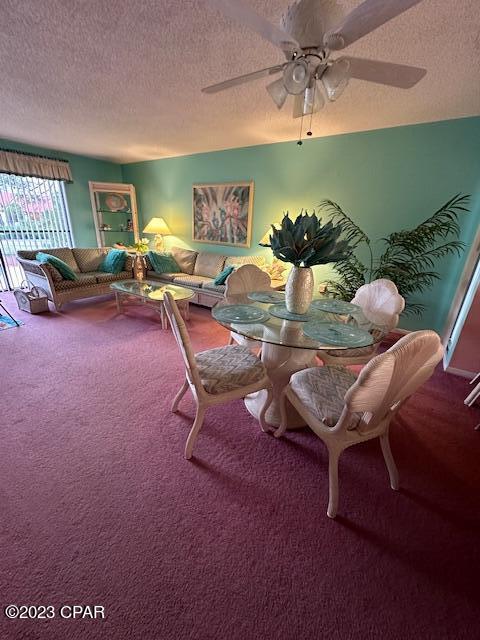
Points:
[(26, 164)]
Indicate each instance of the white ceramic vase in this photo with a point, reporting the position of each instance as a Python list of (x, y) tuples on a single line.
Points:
[(299, 289)]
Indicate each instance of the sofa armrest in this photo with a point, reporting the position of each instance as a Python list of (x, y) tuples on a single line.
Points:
[(32, 266), (39, 275)]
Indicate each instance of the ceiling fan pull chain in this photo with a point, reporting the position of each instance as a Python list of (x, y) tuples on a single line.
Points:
[(301, 130), (309, 132)]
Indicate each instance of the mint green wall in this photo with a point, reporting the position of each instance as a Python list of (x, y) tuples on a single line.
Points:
[(78, 196), (386, 179)]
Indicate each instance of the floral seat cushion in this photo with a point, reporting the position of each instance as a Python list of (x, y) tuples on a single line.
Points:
[(322, 391), (228, 368)]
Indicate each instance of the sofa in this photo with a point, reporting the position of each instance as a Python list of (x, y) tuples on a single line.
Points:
[(198, 270), (84, 262)]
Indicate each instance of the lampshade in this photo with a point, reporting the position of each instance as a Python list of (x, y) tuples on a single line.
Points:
[(266, 237), (158, 225)]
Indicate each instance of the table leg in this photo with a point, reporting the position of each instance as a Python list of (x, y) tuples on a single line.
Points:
[(281, 363), (118, 300)]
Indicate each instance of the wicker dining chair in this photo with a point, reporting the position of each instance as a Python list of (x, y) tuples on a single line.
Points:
[(344, 411), (246, 279), (215, 376), (381, 304)]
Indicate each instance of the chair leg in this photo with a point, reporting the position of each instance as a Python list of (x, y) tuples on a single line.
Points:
[(192, 436), (231, 340), (268, 401), (179, 396), (333, 456), (283, 416), (389, 461)]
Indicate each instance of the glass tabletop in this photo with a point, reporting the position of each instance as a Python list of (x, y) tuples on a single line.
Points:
[(331, 330), (151, 290)]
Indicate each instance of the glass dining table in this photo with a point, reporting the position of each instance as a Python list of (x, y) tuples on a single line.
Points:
[(290, 342)]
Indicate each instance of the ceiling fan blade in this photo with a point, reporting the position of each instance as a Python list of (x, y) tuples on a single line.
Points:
[(248, 77), (277, 92), (241, 12), (308, 102), (394, 75), (335, 78), (367, 17)]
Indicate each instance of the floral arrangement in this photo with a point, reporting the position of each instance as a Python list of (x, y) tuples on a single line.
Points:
[(141, 246)]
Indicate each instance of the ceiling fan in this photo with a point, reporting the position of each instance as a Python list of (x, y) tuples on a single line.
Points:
[(310, 31)]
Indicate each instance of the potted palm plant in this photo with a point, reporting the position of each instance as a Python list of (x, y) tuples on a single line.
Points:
[(305, 242)]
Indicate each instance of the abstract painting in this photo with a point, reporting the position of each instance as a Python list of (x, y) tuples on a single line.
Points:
[(222, 213)]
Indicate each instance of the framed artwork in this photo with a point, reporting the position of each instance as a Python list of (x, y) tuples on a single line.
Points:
[(113, 202), (114, 209), (222, 213)]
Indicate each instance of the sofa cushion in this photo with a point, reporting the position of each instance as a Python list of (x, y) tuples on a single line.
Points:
[(55, 274), (89, 259), (223, 275), (258, 261), (83, 280), (191, 281), (128, 266), (61, 266), (162, 262), (185, 259), (114, 261), (102, 277), (211, 286), (65, 254), (208, 264), (164, 277)]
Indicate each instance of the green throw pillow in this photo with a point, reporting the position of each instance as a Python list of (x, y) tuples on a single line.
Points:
[(114, 261), (61, 266), (222, 277), (163, 262)]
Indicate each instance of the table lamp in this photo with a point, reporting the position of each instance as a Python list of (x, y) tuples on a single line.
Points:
[(266, 237), (159, 227)]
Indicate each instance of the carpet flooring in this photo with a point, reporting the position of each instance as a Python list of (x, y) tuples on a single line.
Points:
[(99, 507)]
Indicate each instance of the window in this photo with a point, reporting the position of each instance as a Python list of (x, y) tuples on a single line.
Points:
[(33, 215)]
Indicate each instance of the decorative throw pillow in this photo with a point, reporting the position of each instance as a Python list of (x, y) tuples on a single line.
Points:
[(114, 261), (60, 265), (163, 262), (222, 277)]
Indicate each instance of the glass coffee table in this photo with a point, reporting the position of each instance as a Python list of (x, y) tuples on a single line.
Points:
[(151, 293)]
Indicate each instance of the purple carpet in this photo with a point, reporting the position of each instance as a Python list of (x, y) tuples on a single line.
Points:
[(99, 507)]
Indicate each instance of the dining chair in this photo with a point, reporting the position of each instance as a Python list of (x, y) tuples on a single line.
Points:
[(343, 410), (246, 279), (215, 376), (382, 305)]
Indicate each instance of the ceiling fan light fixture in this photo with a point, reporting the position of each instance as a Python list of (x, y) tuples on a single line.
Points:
[(277, 92), (296, 76), (335, 79)]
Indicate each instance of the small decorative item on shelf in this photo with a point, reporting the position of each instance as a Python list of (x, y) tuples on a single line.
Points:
[(129, 225), (305, 243)]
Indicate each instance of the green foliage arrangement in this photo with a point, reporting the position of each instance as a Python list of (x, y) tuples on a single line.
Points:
[(305, 242), (408, 258)]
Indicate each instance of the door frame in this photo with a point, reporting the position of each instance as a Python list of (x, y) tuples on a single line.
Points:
[(462, 290)]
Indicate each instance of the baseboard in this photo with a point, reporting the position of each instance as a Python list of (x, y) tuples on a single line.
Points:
[(461, 372)]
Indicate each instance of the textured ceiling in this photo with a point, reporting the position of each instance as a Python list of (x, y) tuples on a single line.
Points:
[(121, 80)]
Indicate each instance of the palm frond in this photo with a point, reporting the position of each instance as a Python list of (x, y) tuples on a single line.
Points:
[(350, 230)]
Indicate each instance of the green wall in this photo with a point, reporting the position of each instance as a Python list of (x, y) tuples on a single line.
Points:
[(78, 196), (386, 179)]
